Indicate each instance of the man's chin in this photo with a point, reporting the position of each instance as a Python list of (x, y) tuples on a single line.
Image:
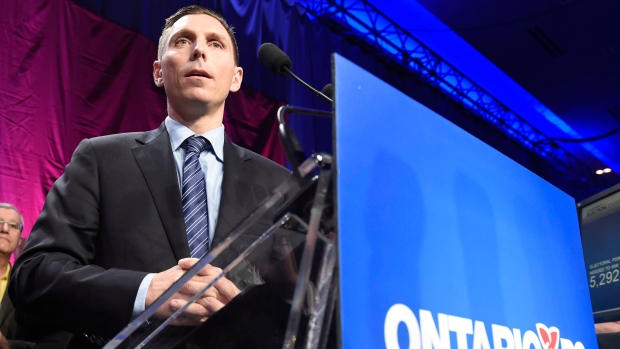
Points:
[(200, 98), (199, 104)]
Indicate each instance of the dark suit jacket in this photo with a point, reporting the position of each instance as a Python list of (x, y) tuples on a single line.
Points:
[(114, 216), (9, 327)]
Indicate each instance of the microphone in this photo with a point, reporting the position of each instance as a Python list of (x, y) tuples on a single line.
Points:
[(273, 58), (279, 63), (328, 90)]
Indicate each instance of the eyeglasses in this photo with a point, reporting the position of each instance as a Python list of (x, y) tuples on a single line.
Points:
[(12, 224)]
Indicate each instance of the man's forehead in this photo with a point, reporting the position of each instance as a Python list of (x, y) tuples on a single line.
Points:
[(199, 23), (9, 214)]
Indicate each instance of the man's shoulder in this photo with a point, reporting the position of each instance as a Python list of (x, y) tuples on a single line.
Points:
[(125, 139), (260, 161), (115, 138)]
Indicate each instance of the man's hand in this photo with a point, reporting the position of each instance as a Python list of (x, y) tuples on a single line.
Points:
[(223, 290), (206, 305), (607, 327)]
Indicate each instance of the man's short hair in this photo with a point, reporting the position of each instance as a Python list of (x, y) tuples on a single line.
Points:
[(11, 207), (196, 10)]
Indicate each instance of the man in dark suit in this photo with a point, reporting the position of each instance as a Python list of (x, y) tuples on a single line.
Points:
[(112, 235), (11, 227)]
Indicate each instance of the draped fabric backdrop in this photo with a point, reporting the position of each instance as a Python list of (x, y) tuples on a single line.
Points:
[(76, 69), (68, 74)]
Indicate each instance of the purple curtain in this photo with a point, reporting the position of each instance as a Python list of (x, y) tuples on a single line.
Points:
[(67, 74)]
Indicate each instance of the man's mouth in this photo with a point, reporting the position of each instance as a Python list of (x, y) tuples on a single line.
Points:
[(199, 73)]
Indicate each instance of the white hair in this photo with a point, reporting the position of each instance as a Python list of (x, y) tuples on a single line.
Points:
[(11, 207)]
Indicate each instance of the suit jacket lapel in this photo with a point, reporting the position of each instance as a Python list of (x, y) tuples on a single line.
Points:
[(6, 306), (155, 159), (236, 200)]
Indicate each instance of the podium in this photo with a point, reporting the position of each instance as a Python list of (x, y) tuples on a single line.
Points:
[(434, 240), (283, 276)]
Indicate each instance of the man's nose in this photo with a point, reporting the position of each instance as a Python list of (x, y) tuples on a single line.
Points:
[(4, 227), (200, 51)]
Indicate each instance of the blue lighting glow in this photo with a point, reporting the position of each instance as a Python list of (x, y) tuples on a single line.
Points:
[(485, 90)]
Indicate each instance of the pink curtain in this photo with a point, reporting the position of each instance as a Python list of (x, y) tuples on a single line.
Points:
[(67, 74)]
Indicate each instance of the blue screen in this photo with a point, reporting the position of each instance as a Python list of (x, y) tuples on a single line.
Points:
[(600, 235), (444, 241)]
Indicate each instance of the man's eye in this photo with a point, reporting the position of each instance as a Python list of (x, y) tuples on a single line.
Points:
[(216, 44), (182, 41), (12, 224)]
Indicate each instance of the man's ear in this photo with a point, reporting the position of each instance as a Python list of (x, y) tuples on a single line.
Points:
[(235, 85), (157, 74)]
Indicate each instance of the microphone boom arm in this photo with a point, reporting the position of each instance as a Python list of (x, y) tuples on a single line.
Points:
[(317, 92), (294, 153)]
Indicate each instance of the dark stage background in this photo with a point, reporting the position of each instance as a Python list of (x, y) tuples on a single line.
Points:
[(77, 69), (70, 70), (68, 73)]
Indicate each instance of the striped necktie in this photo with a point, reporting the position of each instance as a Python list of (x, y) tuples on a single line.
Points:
[(194, 197)]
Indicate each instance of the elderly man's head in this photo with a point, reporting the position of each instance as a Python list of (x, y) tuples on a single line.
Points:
[(11, 226)]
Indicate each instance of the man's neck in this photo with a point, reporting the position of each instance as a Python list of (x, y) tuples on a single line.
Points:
[(198, 121), (4, 262)]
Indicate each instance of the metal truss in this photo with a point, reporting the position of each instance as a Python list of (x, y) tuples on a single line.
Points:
[(361, 22)]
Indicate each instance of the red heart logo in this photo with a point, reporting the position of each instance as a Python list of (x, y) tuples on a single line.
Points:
[(549, 337)]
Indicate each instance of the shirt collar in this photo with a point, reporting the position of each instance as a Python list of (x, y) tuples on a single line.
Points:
[(8, 271), (179, 133)]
